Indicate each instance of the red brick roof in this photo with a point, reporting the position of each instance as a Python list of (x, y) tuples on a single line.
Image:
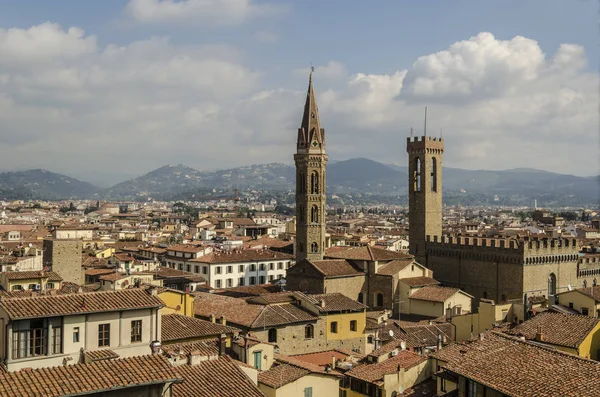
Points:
[(520, 368), (243, 256), (366, 253), (557, 328), (51, 276), (336, 268), (89, 378), (69, 304), (419, 281), (332, 302), (392, 268), (220, 377), (281, 374), (176, 326), (374, 373), (434, 293)]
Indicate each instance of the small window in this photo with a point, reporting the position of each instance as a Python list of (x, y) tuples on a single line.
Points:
[(360, 297), (253, 267), (584, 311), (379, 299), (271, 266), (229, 269), (333, 327), (136, 331), (218, 270), (49, 285), (103, 335), (273, 335), (75, 334), (204, 270), (16, 288), (271, 278), (241, 282), (279, 265), (188, 268), (241, 268), (252, 280), (196, 269), (308, 392), (309, 331), (261, 279), (370, 339), (262, 266), (218, 283), (570, 305), (230, 282), (353, 325)]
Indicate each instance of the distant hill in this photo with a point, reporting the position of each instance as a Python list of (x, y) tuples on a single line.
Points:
[(43, 184), (178, 182)]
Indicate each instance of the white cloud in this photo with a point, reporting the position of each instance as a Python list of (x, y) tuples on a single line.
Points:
[(123, 110), (211, 12)]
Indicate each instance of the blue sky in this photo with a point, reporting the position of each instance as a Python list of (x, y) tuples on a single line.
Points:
[(367, 52)]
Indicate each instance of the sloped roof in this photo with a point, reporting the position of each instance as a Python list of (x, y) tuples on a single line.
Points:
[(519, 368), (331, 302), (336, 268), (419, 281), (177, 326), (434, 293), (557, 328), (374, 373), (366, 253), (281, 374), (392, 268)]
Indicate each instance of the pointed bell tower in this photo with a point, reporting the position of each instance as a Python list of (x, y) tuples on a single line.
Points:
[(311, 162)]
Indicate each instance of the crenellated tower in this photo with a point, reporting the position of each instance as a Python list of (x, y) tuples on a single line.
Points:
[(311, 162), (424, 192)]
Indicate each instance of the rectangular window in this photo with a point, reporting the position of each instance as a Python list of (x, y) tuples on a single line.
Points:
[(253, 267), (353, 325), (471, 388), (30, 338), (196, 269), (333, 327), (204, 270), (279, 265), (103, 335), (188, 268), (257, 360), (241, 282), (241, 268), (75, 334), (57, 345), (136, 331), (49, 285), (218, 270), (252, 280), (271, 266), (262, 266), (229, 269), (261, 279), (584, 311), (308, 392), (271, 278), (230, 282), (180, 266), (218, 283)]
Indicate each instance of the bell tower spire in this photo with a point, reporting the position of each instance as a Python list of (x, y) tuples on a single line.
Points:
[(311, 163)]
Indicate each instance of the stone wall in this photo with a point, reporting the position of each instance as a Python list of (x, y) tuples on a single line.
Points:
[(64, 257)]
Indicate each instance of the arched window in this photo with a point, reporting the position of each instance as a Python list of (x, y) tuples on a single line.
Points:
[(314, 183), (379, 299), (301, 214), (552, 284), (273, 335), (417, 175), (309, 331), (360, 297), (434, 174), (301, 183), (314, 247), (314, 214)]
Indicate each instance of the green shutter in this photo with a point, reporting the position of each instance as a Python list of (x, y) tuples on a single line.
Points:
[(308, 392)]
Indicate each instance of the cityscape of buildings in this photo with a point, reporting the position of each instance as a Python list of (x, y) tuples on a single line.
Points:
[(223, 298)]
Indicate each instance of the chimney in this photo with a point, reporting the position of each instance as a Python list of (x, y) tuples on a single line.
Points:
[(322, 303), (223, 321), (539, 336), (212, 318), (333, 362), (439, 342), (481, 336), (222, 339)]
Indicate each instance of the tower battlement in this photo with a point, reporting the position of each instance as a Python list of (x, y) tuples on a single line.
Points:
[(420, 143), (461, 242)]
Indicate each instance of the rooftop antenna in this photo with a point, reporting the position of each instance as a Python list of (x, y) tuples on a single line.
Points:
[(425, 128), (411, 132)]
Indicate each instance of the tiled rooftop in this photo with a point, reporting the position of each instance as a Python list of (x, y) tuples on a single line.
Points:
[(434, 293), (176, 327)]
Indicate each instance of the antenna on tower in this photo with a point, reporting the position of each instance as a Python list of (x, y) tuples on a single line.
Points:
[(425, 128), (411, 132), (441, 133)]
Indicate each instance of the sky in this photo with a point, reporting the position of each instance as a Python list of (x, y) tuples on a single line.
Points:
[(104, 91)]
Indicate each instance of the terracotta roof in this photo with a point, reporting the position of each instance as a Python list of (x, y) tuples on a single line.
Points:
[(89, 378), (248, 290), (192, 249), (240, 312), (336, 268), (69, 304), (434, 293), (324, 357), (176, 326), (374, 373), (392, 268), (281, 374), (520, 368), (366, 253), (167, 272), (102, 354), (243, 256), (594, 292), (209, 348), (51, 276), (273, 298), (557, 328), (299, 362), (332, 302), (220, 377), (419, 281)]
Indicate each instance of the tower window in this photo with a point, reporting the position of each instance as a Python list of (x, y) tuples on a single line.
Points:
[(417, 175), (314, 247), (433, 178), (314, 214), (314, 183)]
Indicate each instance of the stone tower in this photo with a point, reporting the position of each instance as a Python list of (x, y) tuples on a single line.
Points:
[(424, 192), (311, 161)]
